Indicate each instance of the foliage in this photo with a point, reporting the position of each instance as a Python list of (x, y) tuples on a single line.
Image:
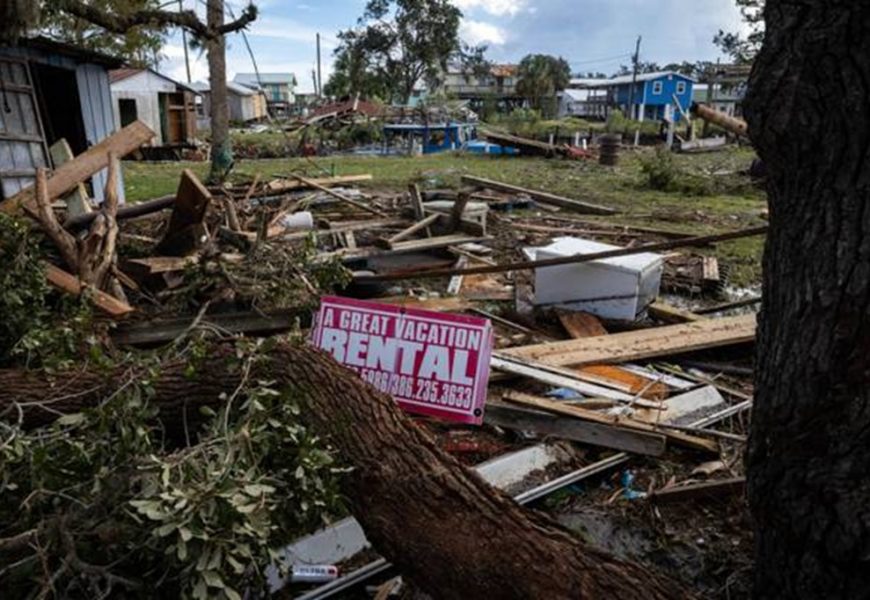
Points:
[(540, 78), (35, 326), (397, 44), (121, 506), (140, 45), (659, 169), (742, 49)]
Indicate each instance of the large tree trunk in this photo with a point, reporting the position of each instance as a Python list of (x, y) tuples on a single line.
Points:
[(447, 530), (221, 146), (809, 454)]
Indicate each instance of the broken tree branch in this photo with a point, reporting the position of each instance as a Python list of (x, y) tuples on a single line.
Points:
[(65, 243), (186, 18)]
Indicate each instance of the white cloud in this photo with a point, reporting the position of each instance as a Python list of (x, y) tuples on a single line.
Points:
[(499, 8), (479, 32), (289, 29)]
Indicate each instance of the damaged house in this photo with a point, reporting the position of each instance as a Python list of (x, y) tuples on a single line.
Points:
[(50, 91)]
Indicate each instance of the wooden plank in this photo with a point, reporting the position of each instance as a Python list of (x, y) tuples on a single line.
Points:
[(342, 197), (584, 325), (645, 343), (671, 314), (77, 202), (436, 242), (167, 330), (722, 489), (284, 185), (94, 159), (191, 202), (567, 410), (405, 233), (457, 210), (564, 378), (596, 434), (71, 284), (543, 197)]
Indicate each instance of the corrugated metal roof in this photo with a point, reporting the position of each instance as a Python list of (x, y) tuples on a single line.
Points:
[(80, 54)]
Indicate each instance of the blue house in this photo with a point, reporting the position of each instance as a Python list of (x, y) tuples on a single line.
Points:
[(662, 95)]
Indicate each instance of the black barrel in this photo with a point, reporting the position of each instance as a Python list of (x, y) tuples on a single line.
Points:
[(609, 149)]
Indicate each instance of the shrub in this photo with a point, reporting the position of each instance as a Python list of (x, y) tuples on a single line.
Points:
[(659, 169)]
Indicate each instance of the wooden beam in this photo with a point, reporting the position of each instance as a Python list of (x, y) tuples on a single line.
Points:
[(567, 410), (342, 197), (575, 259), (542, 197), (645, 343), (671, 314), (284, 185), (83, 166), (697, 491), (71, 284), (435, 242), (191, 202), (596, 434), (457, 210), (405, 233), (124, 213)]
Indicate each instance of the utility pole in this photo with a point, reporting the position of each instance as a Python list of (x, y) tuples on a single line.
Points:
[(635, 60), (184, 44), (319, 80)]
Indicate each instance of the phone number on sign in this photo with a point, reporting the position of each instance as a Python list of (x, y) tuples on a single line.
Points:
[(422, 390)]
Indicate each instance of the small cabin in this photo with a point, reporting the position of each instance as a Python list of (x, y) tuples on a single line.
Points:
[(51, 91), (163, 104)]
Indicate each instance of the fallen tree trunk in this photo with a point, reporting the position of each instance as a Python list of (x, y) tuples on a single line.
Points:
[(448, 531)]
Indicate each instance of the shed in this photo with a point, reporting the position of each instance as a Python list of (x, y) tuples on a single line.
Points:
[(165, 105), (246, 104), (51, 91)]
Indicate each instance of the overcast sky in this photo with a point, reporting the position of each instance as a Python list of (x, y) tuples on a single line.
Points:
[(593, 35)]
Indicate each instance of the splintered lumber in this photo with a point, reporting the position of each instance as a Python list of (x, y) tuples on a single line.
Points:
[(566, 410), (542, 197), (671, 314), (726, 122), (587, 432), (457, 209), (575, 259), (416, 200), (723, 488), (71, 284), (94, 159), (186, 229), (285, 186), (77, 201), (584, 325), (313, 184), (645, 343), (426, 222)]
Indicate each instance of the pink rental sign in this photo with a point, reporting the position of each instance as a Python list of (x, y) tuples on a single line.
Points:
[(432, 363)]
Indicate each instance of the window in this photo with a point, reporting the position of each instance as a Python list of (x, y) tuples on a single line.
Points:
[(127, 110), (657, 87), (681, 87)]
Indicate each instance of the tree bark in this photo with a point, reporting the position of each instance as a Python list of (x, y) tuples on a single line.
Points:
[(809, 451), (447, 530), (221, 147)]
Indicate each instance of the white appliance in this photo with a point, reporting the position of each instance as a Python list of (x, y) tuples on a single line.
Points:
[(619, 288)]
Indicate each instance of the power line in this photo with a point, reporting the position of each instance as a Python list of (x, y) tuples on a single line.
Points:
[(597, 60)]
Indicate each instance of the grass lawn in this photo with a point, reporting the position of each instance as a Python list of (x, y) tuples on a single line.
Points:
[(718, 199)]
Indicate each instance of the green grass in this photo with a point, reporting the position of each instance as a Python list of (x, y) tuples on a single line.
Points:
[(729, 202)]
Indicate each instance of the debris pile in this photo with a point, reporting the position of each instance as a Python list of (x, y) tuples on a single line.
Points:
[(590, 367)]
